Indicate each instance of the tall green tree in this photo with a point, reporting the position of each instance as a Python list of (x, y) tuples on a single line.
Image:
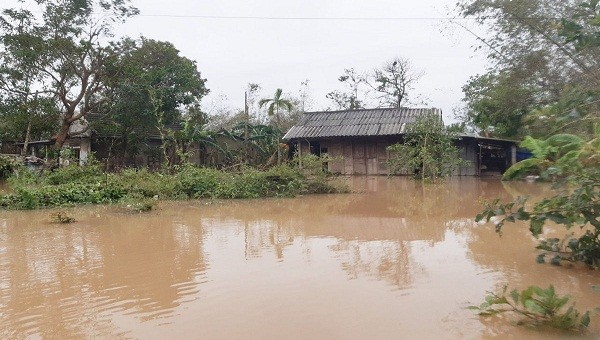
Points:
[(544, 73), (29, 119), (57, 49), (274, 106), (149, 86)]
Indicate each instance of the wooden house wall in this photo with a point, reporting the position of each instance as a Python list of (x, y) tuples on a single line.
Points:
[(468, 152), (354, 157)]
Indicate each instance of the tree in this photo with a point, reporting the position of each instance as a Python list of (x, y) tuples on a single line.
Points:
[(149, 86), (548, 54), (274, 105), (27, 119), (349, 99), (497, 104), (427, 152), (394, 81), (60, 53)]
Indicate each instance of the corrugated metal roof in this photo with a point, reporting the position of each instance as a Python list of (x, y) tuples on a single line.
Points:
[(364, 122)]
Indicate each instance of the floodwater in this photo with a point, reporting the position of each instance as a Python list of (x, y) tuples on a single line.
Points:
[(394, 261)]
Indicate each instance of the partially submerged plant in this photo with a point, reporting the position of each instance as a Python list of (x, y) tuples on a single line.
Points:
[(539, 307), (139, 204), (61, 217)]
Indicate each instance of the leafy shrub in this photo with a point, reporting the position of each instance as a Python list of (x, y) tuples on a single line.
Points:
[(75, 174), (147, 184), (89, 185), (63, 194), (7, 166), (556, 156), (200, 182), (137, 203)]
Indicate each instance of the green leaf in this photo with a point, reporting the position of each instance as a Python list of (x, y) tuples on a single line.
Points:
[(556, 260), (533, 306), (585, 319), (490, 312), (515, 295), (479, 218), (526, 295), (541, 258), (536, 225)]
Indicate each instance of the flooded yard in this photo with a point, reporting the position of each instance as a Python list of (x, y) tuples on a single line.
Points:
[(394, 260)]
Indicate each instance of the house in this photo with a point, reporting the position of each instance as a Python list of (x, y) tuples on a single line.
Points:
[(94, 134), (358, 141)]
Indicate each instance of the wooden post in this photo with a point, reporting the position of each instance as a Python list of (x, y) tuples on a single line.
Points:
[(513, 154), (300, 154)]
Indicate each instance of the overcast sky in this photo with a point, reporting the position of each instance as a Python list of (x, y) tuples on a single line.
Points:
[(281, 53)]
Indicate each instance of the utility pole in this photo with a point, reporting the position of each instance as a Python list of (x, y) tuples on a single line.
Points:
[(247, 115), (247, 118)]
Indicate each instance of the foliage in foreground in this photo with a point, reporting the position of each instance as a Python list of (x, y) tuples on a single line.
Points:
[(552, 156), (7, 166), (90, 185), (537, 306), (575, 202), (428, 151)]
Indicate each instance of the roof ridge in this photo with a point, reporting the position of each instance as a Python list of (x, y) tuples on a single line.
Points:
[(379, 108)]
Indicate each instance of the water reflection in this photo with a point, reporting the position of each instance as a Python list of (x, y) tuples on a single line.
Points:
[(73, 280), (394, 258)]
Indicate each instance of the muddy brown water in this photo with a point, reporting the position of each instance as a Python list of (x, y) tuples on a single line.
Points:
[(395, 260)]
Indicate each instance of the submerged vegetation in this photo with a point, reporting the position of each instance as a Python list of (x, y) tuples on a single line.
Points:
[(61, 217), (537, 306), (428, 151), (89, 184)]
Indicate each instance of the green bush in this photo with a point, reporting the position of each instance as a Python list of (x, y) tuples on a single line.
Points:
[(89, 185), (75, 174), (197, 182), (7, 166), (63, 194)]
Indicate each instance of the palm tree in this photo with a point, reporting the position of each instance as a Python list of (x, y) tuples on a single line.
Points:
[(274, 105)]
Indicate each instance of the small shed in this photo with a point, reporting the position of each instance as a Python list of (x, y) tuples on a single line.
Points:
[(358, 141)]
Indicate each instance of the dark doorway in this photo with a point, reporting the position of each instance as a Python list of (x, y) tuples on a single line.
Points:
[(493, 160), (315, 148)]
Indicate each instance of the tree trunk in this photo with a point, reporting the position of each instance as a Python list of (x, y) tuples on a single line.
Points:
[(27, 137), (61, 136), (278, 127), (423, 167)]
